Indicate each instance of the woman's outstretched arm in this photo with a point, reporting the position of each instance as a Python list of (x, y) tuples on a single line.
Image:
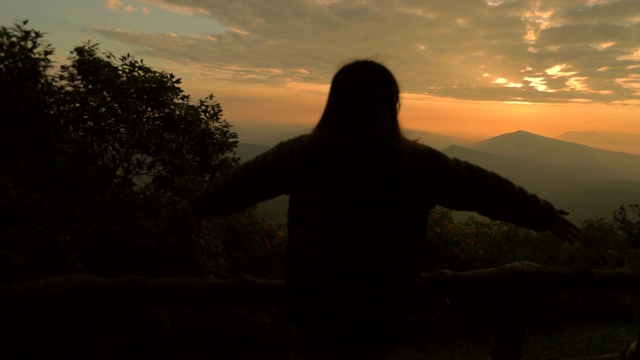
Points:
[(262, 178), (465, 186)]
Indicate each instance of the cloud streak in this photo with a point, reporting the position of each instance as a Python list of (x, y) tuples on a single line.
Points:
[(545, 51), (119, 6)]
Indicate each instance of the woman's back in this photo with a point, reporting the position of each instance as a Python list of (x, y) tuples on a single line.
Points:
[(355, 234), (346, 202)]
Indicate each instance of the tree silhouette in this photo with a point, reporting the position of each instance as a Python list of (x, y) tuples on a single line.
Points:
[(98, 161)]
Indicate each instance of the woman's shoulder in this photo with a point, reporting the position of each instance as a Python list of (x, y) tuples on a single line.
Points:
[(419, 152), (290, 146)]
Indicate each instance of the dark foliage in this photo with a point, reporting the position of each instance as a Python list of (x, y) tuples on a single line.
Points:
[(606, 244), (98, 161), (628, 223)]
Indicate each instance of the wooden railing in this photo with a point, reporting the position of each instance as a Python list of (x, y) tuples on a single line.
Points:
[(518, 281)]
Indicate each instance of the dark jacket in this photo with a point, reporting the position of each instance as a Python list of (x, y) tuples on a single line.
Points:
[(358, 216)]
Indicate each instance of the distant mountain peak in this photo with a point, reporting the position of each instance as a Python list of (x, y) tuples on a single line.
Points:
[(521, 133), (455, 147), (519, 137)]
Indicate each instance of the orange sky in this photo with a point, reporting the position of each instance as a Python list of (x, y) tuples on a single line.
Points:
[(492, 118), (463, 118)]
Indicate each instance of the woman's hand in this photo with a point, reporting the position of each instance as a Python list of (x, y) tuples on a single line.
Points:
[(564, 229)]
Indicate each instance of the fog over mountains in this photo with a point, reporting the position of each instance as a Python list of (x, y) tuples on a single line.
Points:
[(624, 142), (586, 181)]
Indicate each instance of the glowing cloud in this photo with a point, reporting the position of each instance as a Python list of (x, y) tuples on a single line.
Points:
[(557, 71), (114, 5), (496, 2), (577, 84), (505, 83), (117, 5), (179, 8), (634, 56), (632, 82), (537, 20), (515, 102), (602, 46), (538, 83)]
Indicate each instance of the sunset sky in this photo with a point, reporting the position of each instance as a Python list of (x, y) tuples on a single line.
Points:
[(465, 66)]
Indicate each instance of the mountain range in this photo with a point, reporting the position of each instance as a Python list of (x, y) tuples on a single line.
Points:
[(584, 180)]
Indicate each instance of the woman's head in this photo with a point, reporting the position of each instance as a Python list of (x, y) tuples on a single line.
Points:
[(363, 102)]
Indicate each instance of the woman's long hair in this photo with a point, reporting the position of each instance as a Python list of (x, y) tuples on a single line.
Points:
[(362, 107)]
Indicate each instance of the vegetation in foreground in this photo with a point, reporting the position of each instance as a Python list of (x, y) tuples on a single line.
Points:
[(98, 161), (573, 341)]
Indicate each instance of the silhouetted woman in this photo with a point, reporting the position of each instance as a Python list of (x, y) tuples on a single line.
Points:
[(360, 194)]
